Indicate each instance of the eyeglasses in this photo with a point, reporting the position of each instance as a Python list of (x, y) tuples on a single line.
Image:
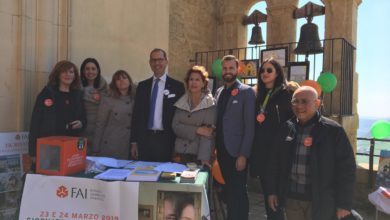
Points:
[(296, 102), (269, 70), (159, 60)]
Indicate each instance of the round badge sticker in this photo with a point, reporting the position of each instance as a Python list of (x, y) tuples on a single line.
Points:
[(260, 117), (234, 92), (308, 141), (96, 96), (166, 92), (48, 102)]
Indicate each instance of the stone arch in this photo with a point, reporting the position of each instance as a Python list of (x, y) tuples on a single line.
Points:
[(251, 3)]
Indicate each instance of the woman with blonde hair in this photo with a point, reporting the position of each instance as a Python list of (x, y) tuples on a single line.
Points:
[(112, 134)]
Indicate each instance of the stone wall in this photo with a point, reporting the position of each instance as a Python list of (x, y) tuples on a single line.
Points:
[(193, 27), (36, 34), (120, 34)]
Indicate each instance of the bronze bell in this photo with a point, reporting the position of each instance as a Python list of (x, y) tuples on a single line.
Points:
[(309, 41), (256, 37)]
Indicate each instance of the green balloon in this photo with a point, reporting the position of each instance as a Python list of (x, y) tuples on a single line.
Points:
[(327, 81), (217, 68), (380, 129)]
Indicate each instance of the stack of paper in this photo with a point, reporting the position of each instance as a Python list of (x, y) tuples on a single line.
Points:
[(189, 176), (113, 174)]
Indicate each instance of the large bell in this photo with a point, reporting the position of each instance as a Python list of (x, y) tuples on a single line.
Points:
[(256, 37), (309, 41)]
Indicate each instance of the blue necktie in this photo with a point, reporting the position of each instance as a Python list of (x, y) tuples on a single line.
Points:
[(153, 104)]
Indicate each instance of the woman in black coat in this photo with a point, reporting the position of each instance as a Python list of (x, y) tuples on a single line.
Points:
[(273, 107), (59, 108)]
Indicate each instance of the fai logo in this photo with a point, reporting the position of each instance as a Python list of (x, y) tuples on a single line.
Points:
[(62, 192)]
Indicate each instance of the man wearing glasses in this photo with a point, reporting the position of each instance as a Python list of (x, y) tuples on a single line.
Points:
[(152, 137), (313, 171)]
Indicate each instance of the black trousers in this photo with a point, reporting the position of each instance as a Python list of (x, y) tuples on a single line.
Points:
[(158, 147), (271, 214), (235, 186)]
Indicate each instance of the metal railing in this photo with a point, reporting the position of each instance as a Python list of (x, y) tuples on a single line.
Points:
[(330, 60), (371, 156)]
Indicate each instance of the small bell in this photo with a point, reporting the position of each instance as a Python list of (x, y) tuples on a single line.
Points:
[(256, 37), (309, 41)]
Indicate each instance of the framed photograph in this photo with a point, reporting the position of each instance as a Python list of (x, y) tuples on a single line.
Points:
[(250, 81), (145, 212), (383, 174), (212, 84), (298, 71), (279, 54), (248, 68), (179, 205)]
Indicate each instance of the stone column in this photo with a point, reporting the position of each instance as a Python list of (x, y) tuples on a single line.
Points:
[(341, 22), (281, 26), (231, 32), (43, 42)]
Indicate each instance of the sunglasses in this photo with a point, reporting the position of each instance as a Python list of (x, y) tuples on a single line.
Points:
[(269, 70)]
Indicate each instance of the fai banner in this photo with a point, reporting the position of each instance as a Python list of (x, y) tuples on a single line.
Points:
[(61, 198)]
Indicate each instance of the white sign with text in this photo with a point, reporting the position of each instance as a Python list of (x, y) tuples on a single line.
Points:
[(55, 197)]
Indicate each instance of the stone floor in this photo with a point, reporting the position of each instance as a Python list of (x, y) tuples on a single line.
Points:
[(361, 203)]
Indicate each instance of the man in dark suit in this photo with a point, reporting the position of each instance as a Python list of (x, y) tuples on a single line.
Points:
[(235, 132), (152, 138)]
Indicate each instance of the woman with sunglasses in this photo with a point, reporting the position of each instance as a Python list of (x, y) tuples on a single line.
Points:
[(273, 107)]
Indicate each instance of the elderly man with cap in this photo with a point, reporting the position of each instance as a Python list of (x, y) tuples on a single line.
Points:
[(313, 171)]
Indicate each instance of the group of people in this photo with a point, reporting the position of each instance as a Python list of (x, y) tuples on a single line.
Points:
[(275, 131)]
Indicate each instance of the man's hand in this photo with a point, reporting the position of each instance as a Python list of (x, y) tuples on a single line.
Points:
[(134, 151), (240, 163), (273, 202), (205, 131), (341, 213), (206, 163)]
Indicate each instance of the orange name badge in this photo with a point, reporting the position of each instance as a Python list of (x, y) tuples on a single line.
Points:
[(260, 117), (48, 102), (96, 96), (234, 92), (308, 141)]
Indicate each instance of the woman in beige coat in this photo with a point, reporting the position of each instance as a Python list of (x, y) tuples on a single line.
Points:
[(94, 86), (194, 120), (112, 135)]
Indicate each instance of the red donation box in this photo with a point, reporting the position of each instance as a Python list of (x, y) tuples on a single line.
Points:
[(61, 155)]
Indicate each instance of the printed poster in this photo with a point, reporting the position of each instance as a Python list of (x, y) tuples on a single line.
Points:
[(55, 197), (13, 151)]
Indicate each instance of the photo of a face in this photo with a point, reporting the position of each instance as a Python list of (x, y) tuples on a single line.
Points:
[(145, 212), (179, 205)]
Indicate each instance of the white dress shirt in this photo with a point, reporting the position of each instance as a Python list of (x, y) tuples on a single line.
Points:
[(158, 124)]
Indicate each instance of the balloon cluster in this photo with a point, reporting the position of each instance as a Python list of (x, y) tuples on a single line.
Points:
[(380, 129), (326, 82)]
